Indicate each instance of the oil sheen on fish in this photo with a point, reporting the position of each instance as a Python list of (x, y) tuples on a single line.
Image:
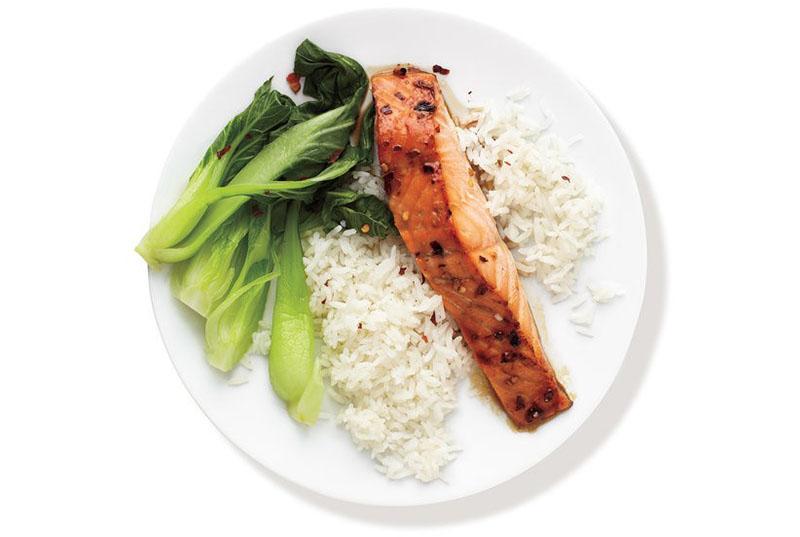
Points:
[(442, 217)]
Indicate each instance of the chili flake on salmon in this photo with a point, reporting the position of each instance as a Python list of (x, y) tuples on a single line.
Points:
[(441, 214)]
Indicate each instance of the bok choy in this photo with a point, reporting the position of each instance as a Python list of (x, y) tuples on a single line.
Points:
[(233, 147), (302, 150), (204, 280), (273, 172), (293, 369), (230, 326)]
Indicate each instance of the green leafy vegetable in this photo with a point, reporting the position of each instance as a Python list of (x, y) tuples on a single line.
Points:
[(330, 78), (367, 135), (306, 410), (303, 150), (203, 281), (231, 149), (293, 370), (273, 172), (352, 156), (364, 212), (230, 326), (257, 137)]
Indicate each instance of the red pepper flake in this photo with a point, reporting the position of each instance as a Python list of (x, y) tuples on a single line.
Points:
[(256, 211), (248, 135), (324, 300), (400, 71), (402, 270), (532, 413), (399, 95), (221, 152), (424, 338), (483, 259), (294, 82), (565, 178), (441, 70), (389, 183), (430, 167), (433, 319), (327, 282), (335, 156), (360, 326)]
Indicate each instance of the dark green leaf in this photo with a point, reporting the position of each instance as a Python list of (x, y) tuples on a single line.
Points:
[(276, 111), (301, 151), (229, 152), (330, 78), (363, 212), (268, 110)]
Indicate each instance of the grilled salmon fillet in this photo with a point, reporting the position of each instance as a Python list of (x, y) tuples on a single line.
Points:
[(442, 217)]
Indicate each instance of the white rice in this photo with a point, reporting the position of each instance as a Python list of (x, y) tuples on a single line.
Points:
[(605, 291), (239, 376), (365, 182), (391, 355), (394, 370), (540, 202), (263, 338), (583, 315)]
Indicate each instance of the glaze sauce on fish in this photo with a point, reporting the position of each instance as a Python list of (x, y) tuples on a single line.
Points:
[(441, 214)]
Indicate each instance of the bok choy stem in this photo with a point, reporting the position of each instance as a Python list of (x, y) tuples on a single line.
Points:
[(230, 326), (293, 369), (234, 145), (305, 144)]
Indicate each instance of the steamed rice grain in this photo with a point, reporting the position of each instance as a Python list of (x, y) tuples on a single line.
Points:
[(543, 207), (391, 355)]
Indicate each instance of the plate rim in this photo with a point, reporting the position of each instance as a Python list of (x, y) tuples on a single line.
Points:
[(464, 20)]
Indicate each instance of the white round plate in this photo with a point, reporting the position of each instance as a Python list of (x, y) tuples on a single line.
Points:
[(488, 63)]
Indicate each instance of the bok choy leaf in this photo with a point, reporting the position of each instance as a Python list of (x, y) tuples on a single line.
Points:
[(302, 150), (233, 147), (363, 212), (230, 326)]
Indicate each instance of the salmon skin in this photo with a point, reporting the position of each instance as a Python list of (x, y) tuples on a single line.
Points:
[(442, 216)]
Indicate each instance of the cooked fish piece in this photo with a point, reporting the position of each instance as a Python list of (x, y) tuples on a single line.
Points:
[(441, 214)]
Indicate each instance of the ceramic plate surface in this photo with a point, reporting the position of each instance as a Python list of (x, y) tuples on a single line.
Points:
[(489, 64)]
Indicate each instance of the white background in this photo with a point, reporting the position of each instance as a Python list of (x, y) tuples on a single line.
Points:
[(700, 431)]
